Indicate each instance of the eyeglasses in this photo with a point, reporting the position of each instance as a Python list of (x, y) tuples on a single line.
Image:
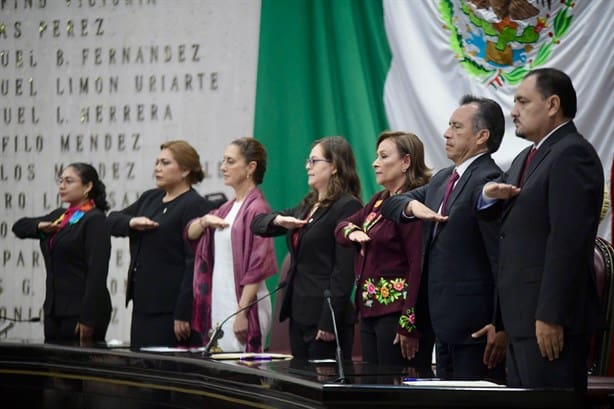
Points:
[(313, 161), (66, 181)]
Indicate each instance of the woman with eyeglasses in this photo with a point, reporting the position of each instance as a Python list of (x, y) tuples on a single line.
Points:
[(318, 264), (232, 264), (76, 246), (388, 262), (161, 262)]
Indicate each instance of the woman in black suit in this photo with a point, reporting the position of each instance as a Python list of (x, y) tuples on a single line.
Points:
[(318, 263), (161, 263), (76, 246)]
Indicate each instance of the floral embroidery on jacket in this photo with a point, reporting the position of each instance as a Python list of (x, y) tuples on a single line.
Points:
[(383, 291), (407, 320), (370, 221)]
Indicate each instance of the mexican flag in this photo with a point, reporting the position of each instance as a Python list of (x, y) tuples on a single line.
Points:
[(358, 67)]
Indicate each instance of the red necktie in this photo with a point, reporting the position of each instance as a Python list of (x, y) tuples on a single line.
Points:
[(453, 178), (527, 162)]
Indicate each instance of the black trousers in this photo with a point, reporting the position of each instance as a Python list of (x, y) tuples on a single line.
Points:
[(527, 368), (464, 361), (304, 345), (376, 337), (157, 330), (62, 329)]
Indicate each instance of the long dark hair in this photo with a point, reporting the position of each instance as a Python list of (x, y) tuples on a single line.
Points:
[(88, 174), (337, 151)]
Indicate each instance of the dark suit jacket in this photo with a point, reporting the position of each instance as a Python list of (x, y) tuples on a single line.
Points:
[(319, 263), (548, 236), (77, 265), (161, 267), (460, 261)]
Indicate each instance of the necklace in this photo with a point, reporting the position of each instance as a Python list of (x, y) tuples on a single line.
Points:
[(312, 212), (166, 206)]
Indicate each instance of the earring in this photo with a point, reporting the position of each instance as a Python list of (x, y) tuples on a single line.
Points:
[(404, 170)]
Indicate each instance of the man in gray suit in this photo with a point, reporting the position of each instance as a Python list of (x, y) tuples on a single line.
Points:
[(549, 203), (460, 251)]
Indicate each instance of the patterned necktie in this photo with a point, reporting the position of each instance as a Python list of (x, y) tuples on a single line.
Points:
[(453, 178), (527, 162)]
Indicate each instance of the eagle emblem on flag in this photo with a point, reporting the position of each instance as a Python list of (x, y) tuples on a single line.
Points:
[(500, 41)]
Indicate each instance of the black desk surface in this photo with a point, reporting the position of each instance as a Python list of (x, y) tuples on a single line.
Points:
[(46, 375)]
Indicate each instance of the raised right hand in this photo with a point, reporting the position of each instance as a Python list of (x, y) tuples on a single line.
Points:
[(48, 227), (359, 236), (288, 222), (216, 222), (420, 211), (142, 223), (501, 191)]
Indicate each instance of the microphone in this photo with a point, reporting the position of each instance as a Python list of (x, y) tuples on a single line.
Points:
[(217, 331), (341, 378)]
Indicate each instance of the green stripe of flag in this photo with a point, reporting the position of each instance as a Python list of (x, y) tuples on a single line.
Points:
[(321, 71)]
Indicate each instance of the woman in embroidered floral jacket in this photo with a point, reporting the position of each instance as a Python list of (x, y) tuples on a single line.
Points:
[(76, 246), (231, 264), (388, 263)]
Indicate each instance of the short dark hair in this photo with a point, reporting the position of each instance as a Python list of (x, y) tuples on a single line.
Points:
[(550, 81), (489, 115)]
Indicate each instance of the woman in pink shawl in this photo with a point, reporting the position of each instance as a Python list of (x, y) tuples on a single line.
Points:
[(231, 264)]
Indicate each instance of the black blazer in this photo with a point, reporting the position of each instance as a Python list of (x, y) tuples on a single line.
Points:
[(319, 263), (460, 261), (77, 265), (161, 261), (548, 236)]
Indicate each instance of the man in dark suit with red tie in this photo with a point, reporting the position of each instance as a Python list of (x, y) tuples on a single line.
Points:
[(460, 254), (549, 203)]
